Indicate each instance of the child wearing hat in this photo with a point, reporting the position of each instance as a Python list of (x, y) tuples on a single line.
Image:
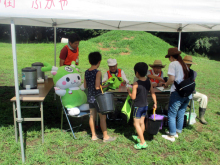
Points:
[(113, 69), (201, 98), (156, 74)]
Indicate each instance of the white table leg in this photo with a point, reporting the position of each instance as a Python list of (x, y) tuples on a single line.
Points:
[(42, 121)]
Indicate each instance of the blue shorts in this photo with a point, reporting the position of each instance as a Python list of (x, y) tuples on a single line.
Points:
[(140, 112)]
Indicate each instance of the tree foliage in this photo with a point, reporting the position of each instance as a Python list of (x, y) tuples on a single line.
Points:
[(34, 34), (203, 43)]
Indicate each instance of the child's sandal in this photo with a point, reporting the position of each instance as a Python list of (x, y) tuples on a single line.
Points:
[(139, 146)]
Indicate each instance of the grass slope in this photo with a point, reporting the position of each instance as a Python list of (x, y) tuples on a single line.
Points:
[(198, 144), (127, 47)]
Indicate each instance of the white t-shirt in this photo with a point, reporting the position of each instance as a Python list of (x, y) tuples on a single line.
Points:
[(149, 73), (176, 69)]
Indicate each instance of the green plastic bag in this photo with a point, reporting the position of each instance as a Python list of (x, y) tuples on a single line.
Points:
[(126, 109), (114, 82)]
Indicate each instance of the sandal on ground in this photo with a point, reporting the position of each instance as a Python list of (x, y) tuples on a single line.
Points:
[(136, 138), (109, 139), (172, 139), (98, 137), (140, 146), (168, 133)]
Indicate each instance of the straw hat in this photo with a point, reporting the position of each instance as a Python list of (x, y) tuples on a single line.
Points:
[(188, 60), (157, 63), (173, 51), (111, 62)]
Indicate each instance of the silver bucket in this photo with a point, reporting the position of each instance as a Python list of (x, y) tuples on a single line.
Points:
[(105, 102), (29, 77)]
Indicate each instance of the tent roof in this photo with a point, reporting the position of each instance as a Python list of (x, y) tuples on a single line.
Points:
[(139, 15)]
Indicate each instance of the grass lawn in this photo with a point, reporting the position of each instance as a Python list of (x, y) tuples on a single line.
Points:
[(198, 144)]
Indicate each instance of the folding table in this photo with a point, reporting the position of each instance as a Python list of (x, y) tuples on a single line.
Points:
[(44, 89)]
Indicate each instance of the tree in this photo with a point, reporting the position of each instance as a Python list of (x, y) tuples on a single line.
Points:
[(35, 34), (203, 43)]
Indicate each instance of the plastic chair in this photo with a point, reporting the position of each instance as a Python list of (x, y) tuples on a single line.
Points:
[(83, 113)]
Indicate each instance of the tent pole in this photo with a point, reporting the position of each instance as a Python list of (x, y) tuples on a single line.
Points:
[(55, 44), (179, 40), (19, 120), (55, 36)]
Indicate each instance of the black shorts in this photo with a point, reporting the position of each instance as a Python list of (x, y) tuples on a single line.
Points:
[(94, 105)]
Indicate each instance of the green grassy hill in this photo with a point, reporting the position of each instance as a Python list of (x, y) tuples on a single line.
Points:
[(128, 47)]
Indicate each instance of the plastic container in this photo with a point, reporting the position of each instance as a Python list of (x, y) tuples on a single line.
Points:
[(64, 40), (29, 92), (152, 125), (192, 117), (105, 102)]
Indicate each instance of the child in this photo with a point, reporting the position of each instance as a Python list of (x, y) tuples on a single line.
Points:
[(139, 95), (155, 74), (93, 81)]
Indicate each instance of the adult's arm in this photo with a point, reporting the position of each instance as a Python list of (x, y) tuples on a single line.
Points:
[(155, 77), (105, 77), (170, 81), (171, 74), (126, 81), (162, 81)]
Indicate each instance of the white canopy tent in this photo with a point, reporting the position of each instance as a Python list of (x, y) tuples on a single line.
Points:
[(140, 15)]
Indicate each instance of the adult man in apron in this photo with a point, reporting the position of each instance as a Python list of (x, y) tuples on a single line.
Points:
[(113, 69)]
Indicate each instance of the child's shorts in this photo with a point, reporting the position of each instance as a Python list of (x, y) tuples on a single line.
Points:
[(140, 112), (94, 105)]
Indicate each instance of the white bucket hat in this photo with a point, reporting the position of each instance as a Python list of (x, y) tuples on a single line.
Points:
[(111, 62)]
